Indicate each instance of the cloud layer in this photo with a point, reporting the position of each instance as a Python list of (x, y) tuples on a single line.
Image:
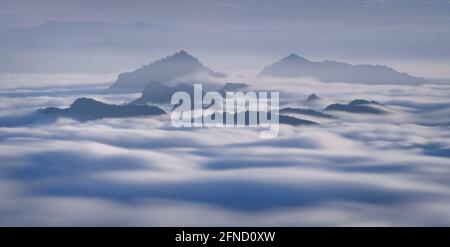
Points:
[(352, 170)]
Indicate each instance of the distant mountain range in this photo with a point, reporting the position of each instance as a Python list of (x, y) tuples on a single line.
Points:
[(185, 66), (101, 47), (71, 33), (180, 64), (83, 46), (294, 66)]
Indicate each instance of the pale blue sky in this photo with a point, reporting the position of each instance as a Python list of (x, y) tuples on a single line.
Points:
[(406, 33)]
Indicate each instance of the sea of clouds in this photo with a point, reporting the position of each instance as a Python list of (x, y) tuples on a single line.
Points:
[(355, 170)]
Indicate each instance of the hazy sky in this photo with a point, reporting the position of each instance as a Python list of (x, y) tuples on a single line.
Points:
[(411, 34), (207, 14)]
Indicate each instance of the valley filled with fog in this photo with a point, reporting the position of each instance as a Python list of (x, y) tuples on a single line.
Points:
[(352, 169), (86, 137)]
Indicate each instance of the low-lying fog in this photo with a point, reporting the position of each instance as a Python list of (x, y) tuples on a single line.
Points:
[(356, 169)]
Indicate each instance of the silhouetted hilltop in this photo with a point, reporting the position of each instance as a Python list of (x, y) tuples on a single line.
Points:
[(364, 102), (233, 86), (89, 109), (312, 98), (157, 92), (295, 121), (358, 106), (283, 119), (309, 112), (164, 70), (330, 71)]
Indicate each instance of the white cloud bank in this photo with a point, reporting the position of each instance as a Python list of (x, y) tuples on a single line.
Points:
[(354, 170)]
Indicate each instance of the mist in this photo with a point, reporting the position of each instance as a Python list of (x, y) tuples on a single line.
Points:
[(384, 165), (233, 37)]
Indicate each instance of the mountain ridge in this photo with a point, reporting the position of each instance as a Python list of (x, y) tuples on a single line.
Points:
[(294, 66), (84, 109), (164, 70)]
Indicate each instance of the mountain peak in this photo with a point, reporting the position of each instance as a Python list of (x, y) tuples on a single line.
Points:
[(294, 57), (84, 101), (179, 64), (181, 56), (182, 53), (294, 66), (312, 97)]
